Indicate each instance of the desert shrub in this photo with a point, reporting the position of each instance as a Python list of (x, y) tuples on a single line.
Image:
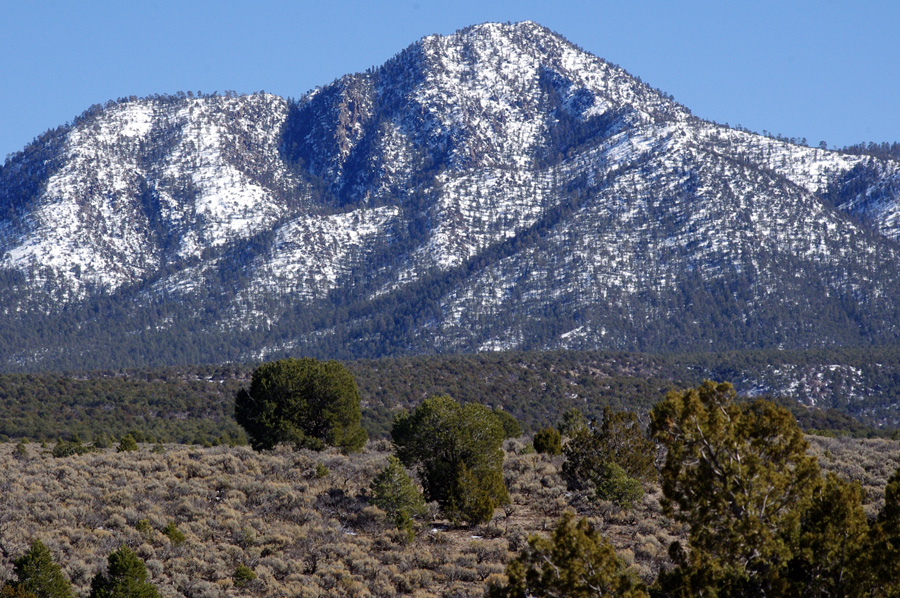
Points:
[(68, 448), (576, 561), (614, 485), (243, 575), (21, 451), (102, 440), (175, 535)]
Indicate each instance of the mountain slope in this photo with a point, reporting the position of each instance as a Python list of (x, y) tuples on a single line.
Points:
[(497, 188)]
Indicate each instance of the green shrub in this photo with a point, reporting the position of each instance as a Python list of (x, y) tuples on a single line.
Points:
[(102, 440), (614, 485), (548, 441), (305, 402), (126, 577), (576, 562), (126, 444), (72, 447), (175, 535), (456, 449), (36, 573), (394, 492), (21, 451), (243, 575)]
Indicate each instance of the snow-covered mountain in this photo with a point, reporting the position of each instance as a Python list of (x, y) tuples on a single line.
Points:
[(496, 188)]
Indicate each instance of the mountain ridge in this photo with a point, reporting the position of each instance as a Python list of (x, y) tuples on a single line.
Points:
[(497, 188)]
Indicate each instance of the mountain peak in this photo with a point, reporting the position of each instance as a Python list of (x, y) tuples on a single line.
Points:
[(494, 188)]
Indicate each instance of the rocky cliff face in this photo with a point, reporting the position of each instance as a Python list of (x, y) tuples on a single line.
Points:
[(497, 188)]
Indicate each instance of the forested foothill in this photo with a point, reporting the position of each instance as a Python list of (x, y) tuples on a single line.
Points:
[(841, 391)]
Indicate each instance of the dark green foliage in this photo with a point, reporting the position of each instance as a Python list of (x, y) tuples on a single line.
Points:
[(885, 542), (144, 528), (64, 448), (548, 441), (243, 575), (762, 521), (510, 425), (37, 574), (830, 555), (102, 441), (8, 590), (21, 451), (613, 484), (172, 405), (575, 562), (196, 404), (126, 577), (611, 459), (394, 492), (126, 444), (175, 535), (573, 422), (304, 402), (456, 450)]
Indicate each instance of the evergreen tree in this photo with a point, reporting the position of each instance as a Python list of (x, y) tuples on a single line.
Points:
[(127, 444), (829, 556), (575, 562), (610, 459), (37, 574), (395, 493), (739, 475), (884, 546), (548, 441), (306, 402), (456, 449), (126, 577), (511, 427)]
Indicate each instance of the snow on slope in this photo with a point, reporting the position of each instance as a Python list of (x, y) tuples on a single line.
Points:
[(468, 141), (174, 162)]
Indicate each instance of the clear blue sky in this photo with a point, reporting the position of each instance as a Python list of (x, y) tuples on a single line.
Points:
[(825, 69)]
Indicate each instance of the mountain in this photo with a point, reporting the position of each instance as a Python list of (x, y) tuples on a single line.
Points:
[(498, 188)]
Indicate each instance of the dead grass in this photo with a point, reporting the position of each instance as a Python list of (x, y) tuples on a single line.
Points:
[(313, 536)]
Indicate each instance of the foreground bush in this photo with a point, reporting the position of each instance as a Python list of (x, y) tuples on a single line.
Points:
[(763, 521), (37, 575), (126, 577), (575, 562), (395, 493)]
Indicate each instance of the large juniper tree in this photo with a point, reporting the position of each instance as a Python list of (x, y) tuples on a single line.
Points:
[(304, 402), (456, 449)]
